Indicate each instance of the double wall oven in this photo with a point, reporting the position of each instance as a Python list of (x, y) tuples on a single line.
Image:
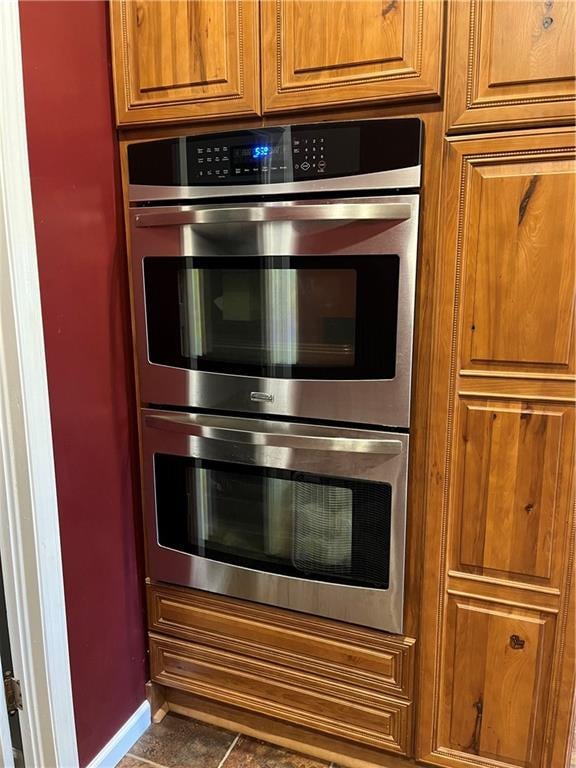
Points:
[(274, 276)]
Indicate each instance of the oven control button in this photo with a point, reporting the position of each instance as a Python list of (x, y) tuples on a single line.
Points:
[(305, 165), (322, 164)]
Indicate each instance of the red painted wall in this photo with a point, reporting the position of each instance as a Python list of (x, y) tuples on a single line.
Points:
[(81, 259)]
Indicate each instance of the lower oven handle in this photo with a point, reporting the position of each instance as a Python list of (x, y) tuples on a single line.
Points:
[(232, 434), (263, 213)]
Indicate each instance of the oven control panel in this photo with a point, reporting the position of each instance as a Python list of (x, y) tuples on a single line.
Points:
[(304, 154), (278, 154)]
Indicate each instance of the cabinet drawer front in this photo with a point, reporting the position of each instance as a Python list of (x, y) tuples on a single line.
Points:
[(508, 67), (498, 662), (343, 653), (302, 699), (318, 53), (184, 59)]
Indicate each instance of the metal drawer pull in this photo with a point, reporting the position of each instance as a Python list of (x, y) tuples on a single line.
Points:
[(264, 213), (237, 434)]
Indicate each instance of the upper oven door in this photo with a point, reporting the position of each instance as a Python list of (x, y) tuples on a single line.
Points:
[(278, 307)]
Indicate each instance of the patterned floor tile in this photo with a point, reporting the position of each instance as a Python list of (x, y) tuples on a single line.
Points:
[(250, 753), (178, 742)]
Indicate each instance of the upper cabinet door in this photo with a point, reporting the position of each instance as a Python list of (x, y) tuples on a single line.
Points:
[(510, 63), (333, 52), (178, 60)]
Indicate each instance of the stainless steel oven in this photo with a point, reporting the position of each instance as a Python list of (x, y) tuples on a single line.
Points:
[(274, 270), (274, 277), (310, 518)]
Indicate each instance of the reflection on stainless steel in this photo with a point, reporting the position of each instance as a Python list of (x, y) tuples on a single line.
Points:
[(401, 178), (317, 450), (379, 401), (271, 433), (350, 211)]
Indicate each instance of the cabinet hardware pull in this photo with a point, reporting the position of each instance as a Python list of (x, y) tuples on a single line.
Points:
[(516, 642)]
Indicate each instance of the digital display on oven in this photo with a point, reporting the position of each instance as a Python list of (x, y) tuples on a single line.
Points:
[(260, 152)]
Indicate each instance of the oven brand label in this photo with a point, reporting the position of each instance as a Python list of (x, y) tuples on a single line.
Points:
[(261, 397)]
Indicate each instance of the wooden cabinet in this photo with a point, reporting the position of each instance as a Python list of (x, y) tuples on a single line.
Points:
[(511, 489), (184, 59), (510, 64), (331, 679), (317, 53), (497, 627), (498, 661)]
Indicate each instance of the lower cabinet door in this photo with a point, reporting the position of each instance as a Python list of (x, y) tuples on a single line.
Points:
[(497, 676)]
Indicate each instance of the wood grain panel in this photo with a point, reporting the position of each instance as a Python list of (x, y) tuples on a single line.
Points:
[(497, 662), (510, 64), (513, 469), (184, 59), (339, 652), (519, 261), (492, 568), (262, 687), (316, 53)]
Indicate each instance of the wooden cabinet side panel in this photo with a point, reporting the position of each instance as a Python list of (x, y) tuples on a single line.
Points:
[(319, 54), (184, 59)]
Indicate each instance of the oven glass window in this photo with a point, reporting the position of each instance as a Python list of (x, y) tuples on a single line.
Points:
[(281, 317), (279, 521)]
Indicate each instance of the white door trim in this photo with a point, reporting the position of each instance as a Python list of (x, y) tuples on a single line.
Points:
[(29, 527)]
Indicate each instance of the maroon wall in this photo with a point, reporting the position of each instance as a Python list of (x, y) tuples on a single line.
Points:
[(81, 260)]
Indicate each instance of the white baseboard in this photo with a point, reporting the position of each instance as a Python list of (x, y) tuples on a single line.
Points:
[(111, 754)]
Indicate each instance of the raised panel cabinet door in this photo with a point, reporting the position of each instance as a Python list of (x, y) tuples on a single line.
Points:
[(178, 60), (269, 688), (518, 255), (510, 63), (317, 53), (497, 666), (512, 489)]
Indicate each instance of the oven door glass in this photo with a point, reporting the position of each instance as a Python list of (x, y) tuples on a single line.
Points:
[(297, 317), (278, 521)]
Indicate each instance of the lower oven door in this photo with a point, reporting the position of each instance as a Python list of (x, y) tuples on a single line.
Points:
[(303, 517)]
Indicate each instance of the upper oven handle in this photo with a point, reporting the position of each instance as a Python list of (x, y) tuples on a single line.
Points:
[(196, 427), (263, 213)]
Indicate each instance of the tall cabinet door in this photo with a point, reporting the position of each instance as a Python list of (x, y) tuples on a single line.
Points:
[(321, 53), (498, 627), (510, 63), (178, 60)]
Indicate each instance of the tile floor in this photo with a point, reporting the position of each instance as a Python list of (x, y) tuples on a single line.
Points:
[(178, 742)]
